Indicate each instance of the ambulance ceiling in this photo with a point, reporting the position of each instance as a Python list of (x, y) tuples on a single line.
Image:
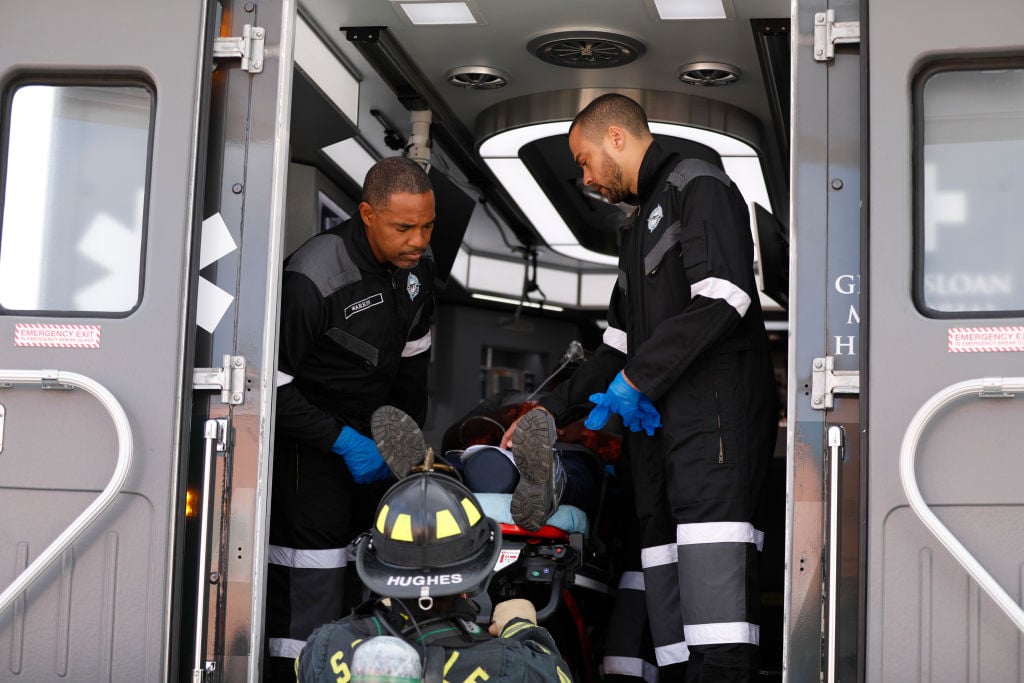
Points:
[(516, 64)]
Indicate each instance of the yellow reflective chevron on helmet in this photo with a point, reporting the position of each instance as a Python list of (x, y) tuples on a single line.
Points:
[(446, 523), (401, 530), (382, 517), (472, 513)]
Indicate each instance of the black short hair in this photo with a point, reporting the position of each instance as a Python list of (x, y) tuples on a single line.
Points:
[(612, 109), (393, 175)]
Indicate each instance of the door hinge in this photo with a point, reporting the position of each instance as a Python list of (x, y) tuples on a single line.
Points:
[(828, 33), (826, 382), (249, 47), (229, 379)]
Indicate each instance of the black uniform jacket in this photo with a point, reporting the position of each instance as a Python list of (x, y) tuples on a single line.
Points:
[(685, 286), (457, 649), (355, 335)]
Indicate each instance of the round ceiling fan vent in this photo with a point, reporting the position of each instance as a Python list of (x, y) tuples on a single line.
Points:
[(477, 78), (708, 74), (587, 49)]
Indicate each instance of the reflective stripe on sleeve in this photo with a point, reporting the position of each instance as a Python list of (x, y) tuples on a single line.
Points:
[(630, 666), (416, 346), (615, 338), (717, 288), (719, 532), (331, 558), (659, 555), (284, 647), (720, 634), (676, 653)]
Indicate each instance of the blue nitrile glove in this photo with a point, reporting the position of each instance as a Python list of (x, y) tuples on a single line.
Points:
[(636, 410), (361, 455)]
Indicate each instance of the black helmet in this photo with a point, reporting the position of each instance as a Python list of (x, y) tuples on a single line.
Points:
[(430, 538)]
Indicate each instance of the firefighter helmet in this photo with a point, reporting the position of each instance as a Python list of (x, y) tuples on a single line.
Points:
[(430, 538)]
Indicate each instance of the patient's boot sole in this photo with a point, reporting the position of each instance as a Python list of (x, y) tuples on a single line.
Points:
[(398, 439), (532, 442)]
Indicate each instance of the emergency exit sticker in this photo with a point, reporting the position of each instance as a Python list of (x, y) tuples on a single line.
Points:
[(985, 339), (57, 336)]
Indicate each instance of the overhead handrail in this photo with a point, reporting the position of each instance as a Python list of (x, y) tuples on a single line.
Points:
[(124, 460), (999, 386)]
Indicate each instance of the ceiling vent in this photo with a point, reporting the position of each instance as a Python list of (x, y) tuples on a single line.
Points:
[(586, 49), (708, 74), (477, 78)]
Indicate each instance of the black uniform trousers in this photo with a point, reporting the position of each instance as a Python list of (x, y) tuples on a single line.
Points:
[(317, 510), (697, 482)]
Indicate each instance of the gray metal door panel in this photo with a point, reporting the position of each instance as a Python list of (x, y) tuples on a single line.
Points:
[(927, 619), (822, 638), (103, 610)]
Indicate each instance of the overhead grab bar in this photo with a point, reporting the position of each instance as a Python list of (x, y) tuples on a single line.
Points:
[(1002, 387), (124, 460)]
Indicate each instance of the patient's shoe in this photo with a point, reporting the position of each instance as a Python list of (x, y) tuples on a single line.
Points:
[(541, 478), (398, 439)]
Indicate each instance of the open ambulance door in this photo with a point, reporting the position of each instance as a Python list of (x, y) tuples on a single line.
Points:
[(142, 167)]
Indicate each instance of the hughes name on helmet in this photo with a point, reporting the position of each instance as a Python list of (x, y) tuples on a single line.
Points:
[(429, 539)]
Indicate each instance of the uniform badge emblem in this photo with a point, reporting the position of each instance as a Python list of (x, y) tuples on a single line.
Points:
[(654, 218), (412, 286)]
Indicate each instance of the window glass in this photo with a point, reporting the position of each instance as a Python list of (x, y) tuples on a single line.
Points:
[(972, 218), (71, 231)]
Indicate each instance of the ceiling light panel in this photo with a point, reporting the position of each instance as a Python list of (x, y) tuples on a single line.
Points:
[(674, 10), (324, 69), (438, 13), (352, 158)]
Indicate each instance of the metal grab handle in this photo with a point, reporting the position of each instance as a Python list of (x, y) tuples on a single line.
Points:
[(215, 433), (836, 443), (124, 460), (1001, 387)]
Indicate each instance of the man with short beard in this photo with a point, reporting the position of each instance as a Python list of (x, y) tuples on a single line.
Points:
[(685, 363)]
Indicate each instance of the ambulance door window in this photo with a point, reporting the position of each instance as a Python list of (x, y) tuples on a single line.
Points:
[(72, 226), (969, 186)]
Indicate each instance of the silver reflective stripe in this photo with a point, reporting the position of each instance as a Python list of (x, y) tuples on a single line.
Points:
[(630, 666), (676, 653), (416, 346), (659, 555), (718, 634), (615, 338), (331, 558), (717, 288), (632, 581), (283, 378), (719, 532), (284, 647)]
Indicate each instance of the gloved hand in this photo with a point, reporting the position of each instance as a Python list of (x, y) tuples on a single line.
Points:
[(361, 455), (507, 610), (636, 410)]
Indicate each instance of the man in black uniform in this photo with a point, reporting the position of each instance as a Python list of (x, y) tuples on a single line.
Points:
[(429, 548), (686, 364), (357, 303)]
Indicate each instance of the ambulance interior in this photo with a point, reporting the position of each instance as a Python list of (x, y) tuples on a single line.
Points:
[(486, 90)]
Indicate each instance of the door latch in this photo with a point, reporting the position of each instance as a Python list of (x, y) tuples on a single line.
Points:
[(229, 379), (828, 33), (826, 382), (249, 47)]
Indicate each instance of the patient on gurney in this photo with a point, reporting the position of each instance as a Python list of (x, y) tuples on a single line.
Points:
[(531, 484)]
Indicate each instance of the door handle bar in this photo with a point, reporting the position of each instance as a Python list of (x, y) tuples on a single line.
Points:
[(114, 486), (1005, 387)]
